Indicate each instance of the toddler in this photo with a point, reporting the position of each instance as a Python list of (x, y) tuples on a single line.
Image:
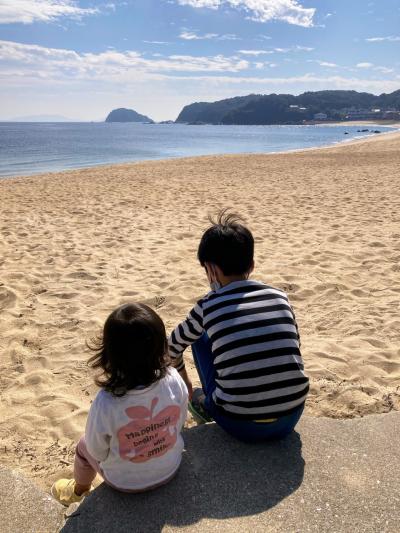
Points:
[(133, 431)]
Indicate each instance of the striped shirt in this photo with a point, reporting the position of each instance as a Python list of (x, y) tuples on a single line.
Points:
[(255, 348)]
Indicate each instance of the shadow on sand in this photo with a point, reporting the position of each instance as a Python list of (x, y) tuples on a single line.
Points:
[(219, 478)]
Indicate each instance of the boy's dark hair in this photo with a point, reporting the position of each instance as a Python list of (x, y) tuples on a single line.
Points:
[(132, 350), (227, 244)]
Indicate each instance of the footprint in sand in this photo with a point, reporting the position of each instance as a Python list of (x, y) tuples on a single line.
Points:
[(377, 244), (333, 238), (156, 302), (7, 298), (81, 274), (61, 295), (127, 266), (130, 293)]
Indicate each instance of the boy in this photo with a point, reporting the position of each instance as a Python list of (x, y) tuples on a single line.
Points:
[(245, 342)]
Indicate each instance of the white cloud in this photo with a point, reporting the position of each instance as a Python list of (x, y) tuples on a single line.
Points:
[(364, 65), (327, 64), (255, 52), (193, 36), (384, 70), (27, 66), (229, 37), (290, 11), (263, 38), (322, 63), (38, 62), (296, 48), (377, 68), (263, 64), (189, 35), (390, 38), (154, 42), (297, 84), (211, 4), (29, 11)]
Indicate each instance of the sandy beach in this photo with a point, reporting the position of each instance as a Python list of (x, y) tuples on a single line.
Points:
[(74, 245)]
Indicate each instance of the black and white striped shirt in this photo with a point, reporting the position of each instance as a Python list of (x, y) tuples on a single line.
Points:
[(255, 348)]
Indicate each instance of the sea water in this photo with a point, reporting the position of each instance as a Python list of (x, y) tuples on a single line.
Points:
[(30, 148)]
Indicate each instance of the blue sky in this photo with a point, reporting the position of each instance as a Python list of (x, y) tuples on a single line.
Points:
[(82, 58)]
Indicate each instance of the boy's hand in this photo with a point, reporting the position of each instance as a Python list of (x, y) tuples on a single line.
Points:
[(186, 379)]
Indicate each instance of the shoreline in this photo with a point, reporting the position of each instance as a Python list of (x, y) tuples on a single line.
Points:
[(334, 144), (75, 244)]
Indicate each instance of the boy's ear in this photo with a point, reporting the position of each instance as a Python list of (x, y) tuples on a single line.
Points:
[(218, 274), (212, 271), (252, 267), (209, 270)]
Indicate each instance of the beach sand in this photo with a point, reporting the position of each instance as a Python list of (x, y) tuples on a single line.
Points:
[(74, 245)]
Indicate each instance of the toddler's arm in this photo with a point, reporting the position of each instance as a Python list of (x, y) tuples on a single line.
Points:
[(96, 433)]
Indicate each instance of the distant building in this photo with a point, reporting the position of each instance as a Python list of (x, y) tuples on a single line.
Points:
[(294, 107), (391, 114), (363, 114), (320, 116)]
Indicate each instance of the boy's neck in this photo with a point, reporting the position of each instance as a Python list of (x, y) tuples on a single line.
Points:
[(225, 280)]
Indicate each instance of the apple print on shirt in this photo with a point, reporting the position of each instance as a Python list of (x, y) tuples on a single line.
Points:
[(147, 437)]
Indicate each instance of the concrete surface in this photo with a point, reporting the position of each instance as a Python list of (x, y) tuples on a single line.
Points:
[(24, 508), (336, 476)]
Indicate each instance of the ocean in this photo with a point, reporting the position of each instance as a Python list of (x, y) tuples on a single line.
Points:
[(31, 148)]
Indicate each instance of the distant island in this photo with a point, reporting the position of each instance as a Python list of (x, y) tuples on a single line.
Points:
[(127, 115), (42, 118), (309, 107)]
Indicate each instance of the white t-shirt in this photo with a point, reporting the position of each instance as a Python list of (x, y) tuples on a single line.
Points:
[(137, 438)]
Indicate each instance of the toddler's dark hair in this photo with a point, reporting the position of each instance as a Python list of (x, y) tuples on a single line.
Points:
[(227, 244), (132, 351)]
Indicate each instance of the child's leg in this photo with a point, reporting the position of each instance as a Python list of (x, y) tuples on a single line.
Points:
[(68, 491), (250, 431), (203, 360), (245, 430), (85, 468)]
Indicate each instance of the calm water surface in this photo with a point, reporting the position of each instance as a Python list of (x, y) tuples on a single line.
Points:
[(30, 148)]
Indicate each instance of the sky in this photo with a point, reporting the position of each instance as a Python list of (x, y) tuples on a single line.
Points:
[(82, 58)]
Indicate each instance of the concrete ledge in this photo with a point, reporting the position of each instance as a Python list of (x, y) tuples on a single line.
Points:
[(331, 476), (24, 508)]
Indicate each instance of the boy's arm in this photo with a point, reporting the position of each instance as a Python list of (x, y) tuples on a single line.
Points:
[(297, 327), (188, 382), (183, 336)]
